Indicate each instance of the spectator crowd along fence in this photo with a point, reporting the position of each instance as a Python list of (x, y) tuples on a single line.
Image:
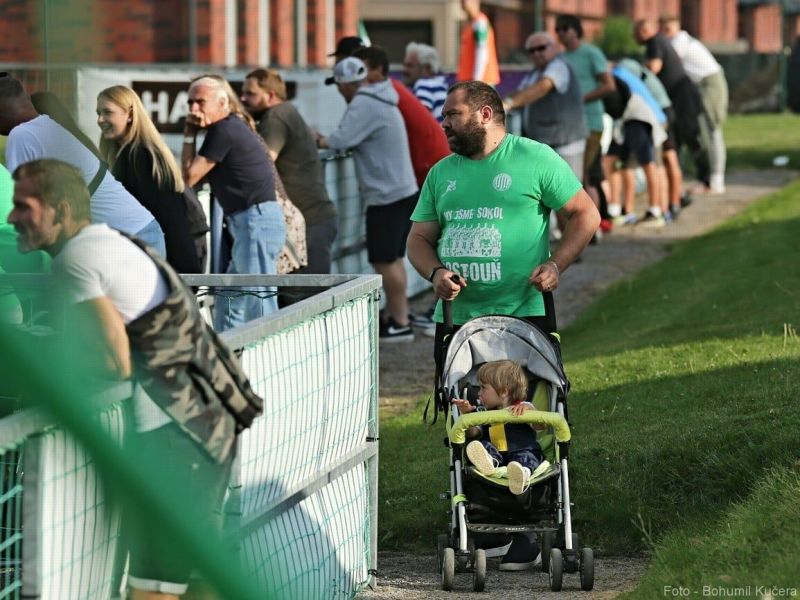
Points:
[(301, 511)]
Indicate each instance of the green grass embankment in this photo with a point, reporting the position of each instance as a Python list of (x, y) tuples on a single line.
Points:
[(685, 414)]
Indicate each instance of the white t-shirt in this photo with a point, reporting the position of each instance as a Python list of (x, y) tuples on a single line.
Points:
[(98, 262), (44, 138), (698, 62)]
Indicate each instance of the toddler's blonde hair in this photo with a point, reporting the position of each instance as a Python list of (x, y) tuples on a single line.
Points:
[(506, 377)]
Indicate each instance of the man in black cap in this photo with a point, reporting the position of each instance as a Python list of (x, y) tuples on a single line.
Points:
[(346, 46)]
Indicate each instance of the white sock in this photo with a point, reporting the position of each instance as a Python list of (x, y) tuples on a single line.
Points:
[(614, 210), (655, 211)]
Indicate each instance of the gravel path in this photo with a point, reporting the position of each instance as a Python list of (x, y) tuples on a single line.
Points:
[(406, 372), (413, 577)]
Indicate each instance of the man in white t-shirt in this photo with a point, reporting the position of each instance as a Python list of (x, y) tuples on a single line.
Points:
[(114, 293), (32, 136), (707, 74)]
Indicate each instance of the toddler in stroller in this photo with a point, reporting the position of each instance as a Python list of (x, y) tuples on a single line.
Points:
[(486, 506), (510, 449)]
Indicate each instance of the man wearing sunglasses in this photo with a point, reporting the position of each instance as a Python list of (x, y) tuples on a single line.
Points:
[(551, 102)]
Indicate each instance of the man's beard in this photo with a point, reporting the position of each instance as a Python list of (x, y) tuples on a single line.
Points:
[(468, 142)]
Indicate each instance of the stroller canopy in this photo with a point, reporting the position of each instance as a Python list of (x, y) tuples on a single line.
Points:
[(485, 339)]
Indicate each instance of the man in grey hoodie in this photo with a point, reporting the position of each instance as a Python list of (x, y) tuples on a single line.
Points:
[(372, 128)]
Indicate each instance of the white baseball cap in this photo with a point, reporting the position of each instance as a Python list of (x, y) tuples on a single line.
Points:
[(349, 70)]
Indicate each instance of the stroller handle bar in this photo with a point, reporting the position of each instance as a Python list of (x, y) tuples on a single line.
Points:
[(457, 433)]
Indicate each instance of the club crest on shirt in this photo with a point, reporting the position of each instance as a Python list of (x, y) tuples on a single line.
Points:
[(451, 187), (501, 182)]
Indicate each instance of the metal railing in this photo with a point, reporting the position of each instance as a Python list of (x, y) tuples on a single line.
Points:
[(302, 505)]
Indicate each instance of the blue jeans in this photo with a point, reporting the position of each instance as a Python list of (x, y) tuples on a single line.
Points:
[(258, 235), (527, 458), (152, 235)]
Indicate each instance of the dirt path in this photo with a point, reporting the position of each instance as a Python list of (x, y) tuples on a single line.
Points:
[(412, 577), (406, 373)]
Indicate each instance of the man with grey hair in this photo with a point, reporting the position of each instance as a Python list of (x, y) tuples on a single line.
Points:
[(552, 104), (235, 163), (420, 73)]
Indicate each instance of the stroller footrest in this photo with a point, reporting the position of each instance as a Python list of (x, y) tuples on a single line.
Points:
[(501, 528)]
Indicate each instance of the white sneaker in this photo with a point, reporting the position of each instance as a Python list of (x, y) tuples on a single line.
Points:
[(717, 183), (480, 458), (517, 478)]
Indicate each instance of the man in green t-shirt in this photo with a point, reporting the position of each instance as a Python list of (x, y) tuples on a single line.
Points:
[(483, 214), (591, 68)]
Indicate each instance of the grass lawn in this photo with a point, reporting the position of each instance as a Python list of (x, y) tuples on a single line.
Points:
[(684, 409), (754, 140)]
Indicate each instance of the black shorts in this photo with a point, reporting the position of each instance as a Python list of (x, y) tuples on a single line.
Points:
[(387, 229), (638, 141)]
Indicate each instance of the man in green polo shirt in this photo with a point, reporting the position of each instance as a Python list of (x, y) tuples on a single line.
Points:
[(483, 214)]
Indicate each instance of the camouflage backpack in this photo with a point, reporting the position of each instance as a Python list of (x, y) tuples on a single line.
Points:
[(186, 369)]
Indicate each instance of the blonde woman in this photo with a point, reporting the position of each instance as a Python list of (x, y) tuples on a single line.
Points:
[(140, 160)]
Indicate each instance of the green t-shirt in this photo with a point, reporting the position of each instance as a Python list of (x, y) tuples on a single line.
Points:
[(588, 62), (494, 219)]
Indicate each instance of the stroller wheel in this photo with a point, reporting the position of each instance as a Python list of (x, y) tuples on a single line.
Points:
[(479, 571), (587, 569), (448, 569), (442, 542), (556, 570)]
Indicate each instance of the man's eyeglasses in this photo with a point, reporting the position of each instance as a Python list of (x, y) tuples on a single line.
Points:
[(541, 48)]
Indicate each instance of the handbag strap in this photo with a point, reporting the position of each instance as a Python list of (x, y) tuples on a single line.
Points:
[(98, 177)]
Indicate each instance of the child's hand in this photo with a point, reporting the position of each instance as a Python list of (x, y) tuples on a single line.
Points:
[(518, 409), (463, 406)]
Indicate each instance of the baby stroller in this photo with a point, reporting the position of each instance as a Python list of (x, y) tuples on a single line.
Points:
[(482, 506)]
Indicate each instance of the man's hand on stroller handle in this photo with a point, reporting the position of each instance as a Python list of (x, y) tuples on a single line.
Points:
[(545, 277), (447, 284)]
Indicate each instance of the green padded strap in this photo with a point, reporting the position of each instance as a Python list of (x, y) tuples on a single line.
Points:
[(458, 498)]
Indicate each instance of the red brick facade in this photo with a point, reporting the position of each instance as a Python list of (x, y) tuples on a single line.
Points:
[(158, 31)]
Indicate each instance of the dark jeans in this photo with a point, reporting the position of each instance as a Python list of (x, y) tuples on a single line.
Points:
[(527, 458), (319, 240), (690, 118)]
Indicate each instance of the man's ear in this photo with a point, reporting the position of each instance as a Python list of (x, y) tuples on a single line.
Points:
[(487, 114), (63, 212)]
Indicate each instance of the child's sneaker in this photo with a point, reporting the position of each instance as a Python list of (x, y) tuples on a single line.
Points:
[(480, 458), (518, 478)]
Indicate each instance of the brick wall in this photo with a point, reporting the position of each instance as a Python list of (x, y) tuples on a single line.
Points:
[(509, 33), (20, 32), (711, 21), (316, 19), (761, 27)]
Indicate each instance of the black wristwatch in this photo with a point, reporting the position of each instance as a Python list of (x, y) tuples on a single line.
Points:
[(430, 277)]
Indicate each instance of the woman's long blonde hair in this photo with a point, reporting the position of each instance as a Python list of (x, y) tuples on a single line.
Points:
[(141, 132)]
